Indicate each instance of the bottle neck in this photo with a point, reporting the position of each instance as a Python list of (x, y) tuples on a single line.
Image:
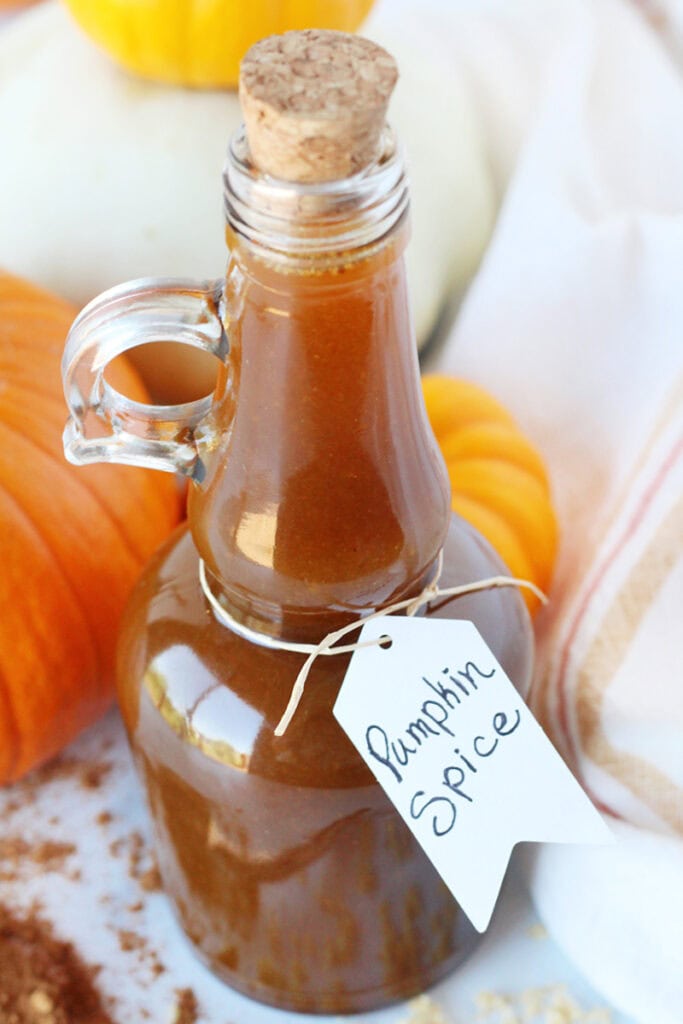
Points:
[(289, 225), (325, 495)]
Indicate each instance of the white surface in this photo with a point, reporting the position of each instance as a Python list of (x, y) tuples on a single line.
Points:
[(106, 177), (92, 910)]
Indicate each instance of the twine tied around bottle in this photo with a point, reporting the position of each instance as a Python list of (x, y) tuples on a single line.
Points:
[(327, 646)]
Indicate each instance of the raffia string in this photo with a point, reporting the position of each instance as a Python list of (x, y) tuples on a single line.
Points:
[(410, 605)]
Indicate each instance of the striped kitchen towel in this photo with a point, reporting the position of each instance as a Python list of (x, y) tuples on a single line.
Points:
[(575, 320)]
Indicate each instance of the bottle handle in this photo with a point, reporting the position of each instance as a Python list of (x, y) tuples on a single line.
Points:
[(106, 426)]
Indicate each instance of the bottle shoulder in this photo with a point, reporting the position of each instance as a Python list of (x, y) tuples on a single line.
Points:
[(183, 675)]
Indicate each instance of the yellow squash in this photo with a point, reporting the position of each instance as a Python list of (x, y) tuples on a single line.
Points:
[(498, 480), (201, 42)]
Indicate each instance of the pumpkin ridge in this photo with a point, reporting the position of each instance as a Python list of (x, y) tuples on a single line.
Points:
[(499, 481), (494, 441), (24, 383), (152, 495), (81, 480), (10, 726), (73, 542), (92, 625), (144, 493), (504, 540), (29, 393), (19, 307), (62, 572), (199, 44), (141, 554), (48, 335), (40, 542), (63, 470), (500, 459), (51, 402), (48, 415), (13, 285), (453, 402), (77, 483), (483, 481), (485, 519)]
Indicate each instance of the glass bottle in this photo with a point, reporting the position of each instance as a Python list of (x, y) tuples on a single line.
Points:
[(317, 494)]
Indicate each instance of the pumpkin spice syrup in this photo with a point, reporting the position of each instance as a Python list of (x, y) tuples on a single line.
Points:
[(317, 494)]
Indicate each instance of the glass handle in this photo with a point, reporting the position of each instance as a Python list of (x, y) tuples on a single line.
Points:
[(106, 426)]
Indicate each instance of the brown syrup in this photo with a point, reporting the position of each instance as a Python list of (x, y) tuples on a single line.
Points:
[(324, 496)]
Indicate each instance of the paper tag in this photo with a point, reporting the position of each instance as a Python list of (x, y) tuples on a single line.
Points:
[(458, 752)]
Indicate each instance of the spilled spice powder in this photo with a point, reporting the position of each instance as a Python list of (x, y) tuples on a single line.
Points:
[(93, 774), (17, 854), (187, 1008), (13, 848), (89, 774), (133, 942), (51, 854), (150, 880), (141, 866), (129, 941), (42, 978)]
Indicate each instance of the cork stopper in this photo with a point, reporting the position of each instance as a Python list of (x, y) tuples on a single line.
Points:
[(315, 103)]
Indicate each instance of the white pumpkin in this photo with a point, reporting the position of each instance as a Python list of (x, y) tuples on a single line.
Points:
[(105, 177)]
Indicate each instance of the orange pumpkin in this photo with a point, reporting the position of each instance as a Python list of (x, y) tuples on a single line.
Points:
[(71, 545), (498, 480)]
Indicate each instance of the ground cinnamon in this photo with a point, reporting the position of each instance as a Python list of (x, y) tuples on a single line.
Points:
[(18, 855), (187, 1007), (42, 978)]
